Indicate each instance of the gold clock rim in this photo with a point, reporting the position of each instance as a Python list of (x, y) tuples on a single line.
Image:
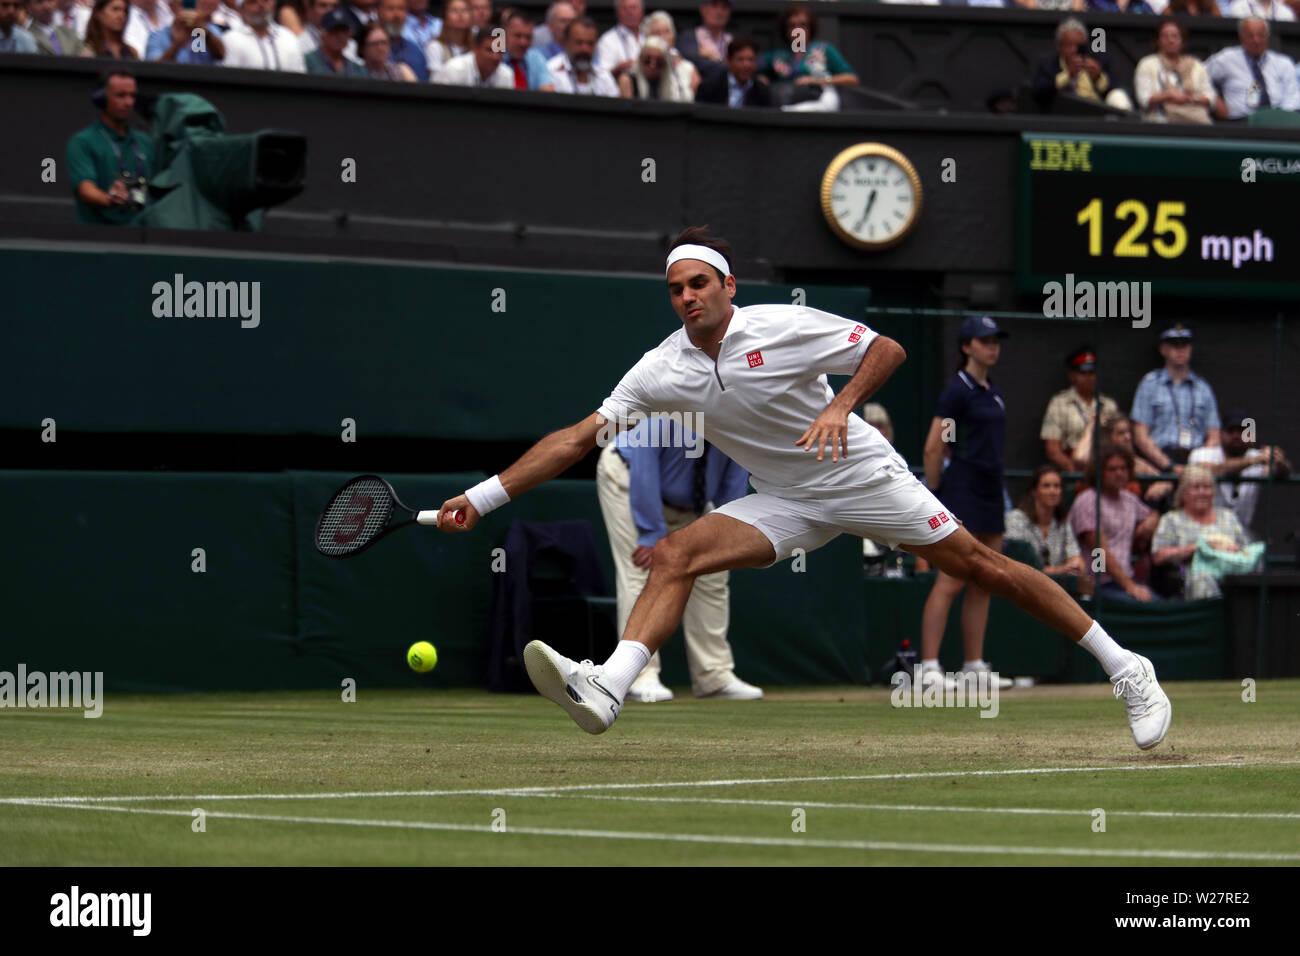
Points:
[(836, 165)]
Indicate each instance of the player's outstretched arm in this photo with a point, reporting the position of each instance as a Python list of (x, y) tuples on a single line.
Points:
[(883, 357), (553, 455)]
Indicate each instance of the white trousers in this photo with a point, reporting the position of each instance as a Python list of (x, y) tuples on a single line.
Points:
[(707, 610)]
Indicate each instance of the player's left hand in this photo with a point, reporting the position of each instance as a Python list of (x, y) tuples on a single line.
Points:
[(832, 426)]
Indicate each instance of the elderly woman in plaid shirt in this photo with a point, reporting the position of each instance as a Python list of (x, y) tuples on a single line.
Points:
[(1195, 517)]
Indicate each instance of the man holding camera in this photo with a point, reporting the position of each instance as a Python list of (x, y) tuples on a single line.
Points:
[(108, 163)]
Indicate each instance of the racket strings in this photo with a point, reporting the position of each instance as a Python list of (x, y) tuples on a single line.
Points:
[(354, 516)]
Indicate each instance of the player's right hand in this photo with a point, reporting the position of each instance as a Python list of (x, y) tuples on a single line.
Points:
[(447, 515)]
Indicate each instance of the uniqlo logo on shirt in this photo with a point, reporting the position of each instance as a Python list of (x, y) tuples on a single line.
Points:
[(940, 518), (755, 359), (856, 334)]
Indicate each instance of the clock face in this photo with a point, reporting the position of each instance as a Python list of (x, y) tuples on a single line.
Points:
[(871, 199)]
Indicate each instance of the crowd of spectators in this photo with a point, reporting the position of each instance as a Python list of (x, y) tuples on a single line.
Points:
[(1169, 84), (645, 56), (465, 43), (1151, 532)]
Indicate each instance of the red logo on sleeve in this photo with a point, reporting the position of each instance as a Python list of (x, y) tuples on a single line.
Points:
[(856, 334), (755, 359), (940, 518)]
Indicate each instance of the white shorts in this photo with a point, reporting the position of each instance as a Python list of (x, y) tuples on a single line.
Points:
[(893, 508)]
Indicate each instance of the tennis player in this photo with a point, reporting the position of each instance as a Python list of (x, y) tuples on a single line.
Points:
[(757, 375)]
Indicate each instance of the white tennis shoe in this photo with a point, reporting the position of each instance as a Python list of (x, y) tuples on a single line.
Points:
[(649, 690), (983, 667), (1149, 710), (736, 690), (580, 687)]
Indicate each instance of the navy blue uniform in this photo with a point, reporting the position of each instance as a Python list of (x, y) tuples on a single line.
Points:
[(971, 486)]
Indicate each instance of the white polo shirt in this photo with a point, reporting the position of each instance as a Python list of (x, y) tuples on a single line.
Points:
[(463, 71), (600, 82), (278, 50), (768, 385)]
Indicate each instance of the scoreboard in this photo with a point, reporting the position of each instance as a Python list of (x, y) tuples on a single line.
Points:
[(1217, 218)]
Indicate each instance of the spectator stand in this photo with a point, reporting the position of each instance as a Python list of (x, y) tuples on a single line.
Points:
[(1187, 639)]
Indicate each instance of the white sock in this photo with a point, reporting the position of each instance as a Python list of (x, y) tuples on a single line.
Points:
[(977, 664), (930, 664), (1102, 646), (628, 660)]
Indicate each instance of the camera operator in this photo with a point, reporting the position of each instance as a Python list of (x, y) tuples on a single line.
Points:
[(108, 163)]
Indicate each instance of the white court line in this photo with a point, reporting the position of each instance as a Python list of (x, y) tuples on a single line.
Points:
[(572, 788), (910, 808), (719, 838)]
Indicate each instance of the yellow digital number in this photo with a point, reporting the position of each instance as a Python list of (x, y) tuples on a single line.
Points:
[(1127, 247), (1169, 234), (1167, 214), (1091, 214)]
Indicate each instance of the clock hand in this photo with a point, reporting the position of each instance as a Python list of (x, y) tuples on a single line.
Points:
[(871, 200)]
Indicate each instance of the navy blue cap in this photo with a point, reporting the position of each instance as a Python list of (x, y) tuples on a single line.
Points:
[(979, 326), (1233, 418), (1177, 332), (334, 19)]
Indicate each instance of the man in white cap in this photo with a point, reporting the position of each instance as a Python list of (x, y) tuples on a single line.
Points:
[(755, 377)]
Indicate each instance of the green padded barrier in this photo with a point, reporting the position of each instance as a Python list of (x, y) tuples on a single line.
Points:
[(1186, 640), (357, 616), (786, 627), (105, 584), (99, 579), (1015, 643)]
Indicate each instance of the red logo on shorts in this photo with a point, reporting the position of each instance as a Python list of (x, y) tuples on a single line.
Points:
[(940, 518), (755, 359), (856, 334)]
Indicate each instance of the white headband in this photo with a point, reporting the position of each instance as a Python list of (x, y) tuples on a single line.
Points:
[(703, 253)]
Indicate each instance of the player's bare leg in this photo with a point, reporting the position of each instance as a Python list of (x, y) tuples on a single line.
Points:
[(975, 607), (965, 558), (974, 617), (593, 694), (713, 543)]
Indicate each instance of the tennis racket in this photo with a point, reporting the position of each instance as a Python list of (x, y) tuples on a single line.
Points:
[(363, 511)]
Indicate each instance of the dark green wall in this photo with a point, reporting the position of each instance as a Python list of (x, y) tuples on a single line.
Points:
[(406, 351)]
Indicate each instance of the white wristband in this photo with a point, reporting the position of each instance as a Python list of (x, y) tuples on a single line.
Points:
[(487, 495)]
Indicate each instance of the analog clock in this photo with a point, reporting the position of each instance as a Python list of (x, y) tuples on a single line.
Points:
[(871, 196)]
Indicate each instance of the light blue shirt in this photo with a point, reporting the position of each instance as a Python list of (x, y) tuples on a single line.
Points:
[(161, 39), (1230, 72), (534, 68), (421, 33), (18, 41), (548, 48), (664, 475), (1166, 408), (736, 92)]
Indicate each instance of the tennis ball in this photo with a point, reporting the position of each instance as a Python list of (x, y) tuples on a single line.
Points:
[(422, 657)]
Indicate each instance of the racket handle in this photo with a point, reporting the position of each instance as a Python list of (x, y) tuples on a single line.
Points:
[(431, 516)]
